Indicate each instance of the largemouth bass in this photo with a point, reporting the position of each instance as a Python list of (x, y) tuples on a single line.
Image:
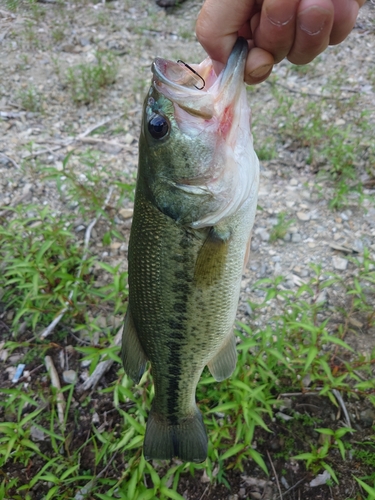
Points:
[(194, 209)]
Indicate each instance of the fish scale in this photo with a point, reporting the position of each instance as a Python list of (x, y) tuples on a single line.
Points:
[(185, 276)]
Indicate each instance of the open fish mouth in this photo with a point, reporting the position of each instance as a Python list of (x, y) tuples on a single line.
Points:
[(216, 118), (196, 88)]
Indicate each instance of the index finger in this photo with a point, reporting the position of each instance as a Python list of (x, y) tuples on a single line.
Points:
[(218, 25)]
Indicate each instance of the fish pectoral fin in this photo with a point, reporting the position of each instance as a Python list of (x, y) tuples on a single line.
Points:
[(223, 363), (247, 255), (186, 440), (192, 189), (212, 256), (133, 357)]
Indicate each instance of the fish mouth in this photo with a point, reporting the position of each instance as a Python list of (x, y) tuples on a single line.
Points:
[(183, 84)]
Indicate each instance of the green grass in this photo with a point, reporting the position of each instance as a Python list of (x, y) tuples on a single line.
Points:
[(45, 270), (280, 229), (332, 134), (30, 99), (85, 82), (40, 268)]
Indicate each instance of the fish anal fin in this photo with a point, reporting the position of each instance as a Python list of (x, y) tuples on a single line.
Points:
[(132, 354), (223, 363), (187, 440), (212, 256)]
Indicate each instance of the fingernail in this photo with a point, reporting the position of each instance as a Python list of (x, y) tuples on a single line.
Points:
[(312, 20), (280, 15), (261, 71)]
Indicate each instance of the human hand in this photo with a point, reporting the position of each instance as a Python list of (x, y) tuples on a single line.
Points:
[(297, 29)]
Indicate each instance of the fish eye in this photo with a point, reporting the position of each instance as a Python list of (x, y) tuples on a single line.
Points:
[(158, 126)]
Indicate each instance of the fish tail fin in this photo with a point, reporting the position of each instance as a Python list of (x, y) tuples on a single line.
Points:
[(186, 440)]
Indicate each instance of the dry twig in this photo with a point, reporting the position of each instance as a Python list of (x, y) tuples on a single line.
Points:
[(337, 395), (11, 160), (313, 94), (101, 368), (275, 474), (85, 491), (68, 142), (293, 487), (58, 318), (56, 383), (205, 491), (10, 115)]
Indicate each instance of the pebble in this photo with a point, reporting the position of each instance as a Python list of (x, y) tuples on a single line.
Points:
[(95, 418), (37, 434), (322, 297), (256, 495), (115, 245), (70, 376), (367, 417), (126, 213), (339, 263), (84, 42), (265, 235), (358, 245), (306, 195), (128, 139), (303, 216), (101, 321), (344, 216), (296, 238), (278, 271), (287, 237)]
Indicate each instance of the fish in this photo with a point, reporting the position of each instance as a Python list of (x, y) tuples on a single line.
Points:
[(195, 203)]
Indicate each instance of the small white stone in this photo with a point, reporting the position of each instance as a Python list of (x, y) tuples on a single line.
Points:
[(95, 418), (265, 235), (37, 434), (303, 216), (128, 139), (296, 238), (339, 263), (69, 376), (126, 213)]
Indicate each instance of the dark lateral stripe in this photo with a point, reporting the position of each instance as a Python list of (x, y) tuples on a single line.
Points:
[(177, 324)]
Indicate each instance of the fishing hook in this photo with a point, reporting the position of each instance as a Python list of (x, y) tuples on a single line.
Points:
[(195, 73)]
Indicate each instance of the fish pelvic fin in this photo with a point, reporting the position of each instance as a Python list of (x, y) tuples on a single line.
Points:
[(133, 357), (222, 365), (187, 440)]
